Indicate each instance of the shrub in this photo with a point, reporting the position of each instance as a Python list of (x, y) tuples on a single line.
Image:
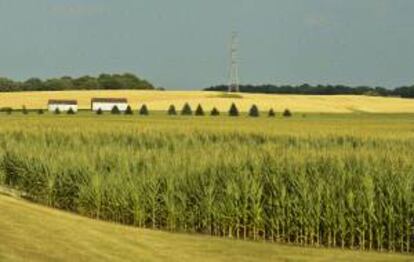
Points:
[(186, 111), (287, 113), (99, 111), (254, 111), (129, 111), (271, 113), (144, 110), (115, 110), (40, 112), (24, 110), (7, 110), (172, 111), (215, 112), (233, 110), (199, 111), (71, 111), (57, 111)]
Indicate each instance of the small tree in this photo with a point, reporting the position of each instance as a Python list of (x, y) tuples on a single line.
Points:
[(233, 110), (199, 111), (254, 111), (129, 111), (71, 111), (144, 110), (287, 113), (24, 110), (215, 112), (172, 111), (57, 111), (271, 113), (115, 110), (99, 111), (186, 111), (40, 112), (7, 110)]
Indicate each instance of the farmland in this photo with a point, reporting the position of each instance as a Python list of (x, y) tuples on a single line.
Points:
[(332, 180), (160, 100)]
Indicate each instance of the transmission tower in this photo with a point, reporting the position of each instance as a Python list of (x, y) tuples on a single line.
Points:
[(234, 64)]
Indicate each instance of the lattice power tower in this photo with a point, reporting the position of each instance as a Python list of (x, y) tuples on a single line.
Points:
[(234, 64)]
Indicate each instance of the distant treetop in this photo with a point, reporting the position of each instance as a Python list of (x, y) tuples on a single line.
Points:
[(306, 89), (102, 82)]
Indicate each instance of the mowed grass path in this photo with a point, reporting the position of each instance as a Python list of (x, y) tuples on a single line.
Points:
[(160, 101), (29, 232)]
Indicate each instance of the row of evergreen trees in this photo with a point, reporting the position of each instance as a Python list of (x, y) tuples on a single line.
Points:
[(186, 111)]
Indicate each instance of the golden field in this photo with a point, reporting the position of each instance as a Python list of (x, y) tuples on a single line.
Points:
[(160, 101)]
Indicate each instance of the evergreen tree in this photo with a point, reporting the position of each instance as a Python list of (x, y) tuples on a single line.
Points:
[(40, 112), (271, 113), (115, 110), (172, 111), (199, 111), (71, 111), (215, 112), (129, 111), (186, 111), (99, 111), (254, 111), (57, 111), (233, 110), (287, 113), (144, 110)]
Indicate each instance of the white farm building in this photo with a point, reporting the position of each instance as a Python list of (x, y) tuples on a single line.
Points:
[(107, 104), (62, 105)]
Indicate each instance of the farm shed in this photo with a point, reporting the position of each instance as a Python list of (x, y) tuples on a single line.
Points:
[(62, 105), (107, 104)]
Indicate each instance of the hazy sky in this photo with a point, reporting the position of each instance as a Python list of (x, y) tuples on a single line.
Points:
[(183, 44)]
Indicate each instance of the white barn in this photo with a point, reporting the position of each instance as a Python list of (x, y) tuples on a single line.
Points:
[(107, 104), (62, 105)]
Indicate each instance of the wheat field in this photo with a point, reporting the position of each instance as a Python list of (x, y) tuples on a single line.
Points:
[(160, 100)]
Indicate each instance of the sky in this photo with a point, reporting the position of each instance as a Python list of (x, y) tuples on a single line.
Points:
[(184, 44)]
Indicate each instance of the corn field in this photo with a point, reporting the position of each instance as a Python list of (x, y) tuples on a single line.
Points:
[(310, 182)]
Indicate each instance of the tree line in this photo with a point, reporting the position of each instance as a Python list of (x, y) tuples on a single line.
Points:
[(306, 89), (103, 81)]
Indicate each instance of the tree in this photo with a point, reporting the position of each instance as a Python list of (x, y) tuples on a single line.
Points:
[(57, 111), (287, 113), (233, 110), (129, 111), (71, 111), (254, 111), (115, 110), (215, 112), (24, 110), (271, 113), (99, 111), (144, 110), (186, 111), (199, 111), (40, 112), (7, 110), (172, 111)]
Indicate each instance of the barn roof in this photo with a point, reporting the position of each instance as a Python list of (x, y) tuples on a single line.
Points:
[(62, 102), (109, 100)]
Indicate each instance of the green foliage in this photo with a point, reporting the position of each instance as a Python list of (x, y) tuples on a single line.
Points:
[(233, 110), (71, 111), (271, 113), (172, 111), (186, 111), (215, 112), (57, 111), (99, 111), (287, 113), (129, 111), (7, 110), (24, 110), (254, 111), (144, 110), (199, 111), (40, 112), (115, 110)]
